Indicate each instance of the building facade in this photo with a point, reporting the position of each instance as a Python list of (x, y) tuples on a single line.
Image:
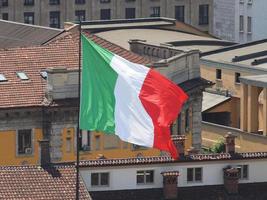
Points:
[(54, 13), (240, 21)]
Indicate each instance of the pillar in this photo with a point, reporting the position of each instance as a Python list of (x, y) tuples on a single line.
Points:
[(265, 111), (230, 143), (244, 107), (179, 142), (253, 109)]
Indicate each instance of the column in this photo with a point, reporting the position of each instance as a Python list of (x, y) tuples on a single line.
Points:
[(253, 109), (244, 107), (265, 111)]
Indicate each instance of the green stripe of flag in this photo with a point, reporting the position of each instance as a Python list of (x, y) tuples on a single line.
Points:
[(97, 90)]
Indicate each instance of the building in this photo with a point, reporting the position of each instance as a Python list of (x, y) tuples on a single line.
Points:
[(54, 13), (240, 21), (39, 94), (238, 73), (228, 175)]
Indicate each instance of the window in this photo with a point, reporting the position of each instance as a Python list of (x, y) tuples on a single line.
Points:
[(203, 14), (104, 1), (4, 3), (250, 2), (237, 75), (179, 13), (243, 171), (29, 18), (145, 177), (218, 74), (194, 174), (5, 16), (249, 24), (25, 141), (80, 15), (79, 1), (28, 2), (130, 13), (187, 120), (2, 78), (55, 19), (22, 76), (85, 141), (100, 179), (97, 142), (155, 12), (105, 14), (241, 1), (241, 23), (54, 2)]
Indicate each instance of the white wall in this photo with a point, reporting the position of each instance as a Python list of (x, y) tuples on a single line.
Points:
[(124, 177)]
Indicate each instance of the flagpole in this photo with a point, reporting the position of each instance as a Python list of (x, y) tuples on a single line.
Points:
[(78, 126)]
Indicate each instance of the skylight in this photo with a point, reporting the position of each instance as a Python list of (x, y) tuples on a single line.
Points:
[(2, 78), (43, 74), (22, 76)]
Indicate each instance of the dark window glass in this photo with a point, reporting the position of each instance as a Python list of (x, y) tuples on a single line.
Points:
[(80, 15), (5, 16), (29, 18), (155, 12), (79, 1), (104, 1), (198, 174), (245, 171), (24, 141), (105, 14), (94, 179), (237, 76), (140, 178), (187, 119), (130, 13), (179, 13), (190, 175), (55, 19), (218, 74), (150, 176), (145, 177), (203, 14), (4, 3), (28, 2), (54, 2), (104, 178), (179, 125)]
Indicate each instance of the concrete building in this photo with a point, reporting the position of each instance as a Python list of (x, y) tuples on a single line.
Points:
[(239, 73), (54, 13), (39, 94), (195, 176), (240, 21)]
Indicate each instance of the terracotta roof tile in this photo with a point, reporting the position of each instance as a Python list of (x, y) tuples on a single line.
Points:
[(62, 51), (35, 182)]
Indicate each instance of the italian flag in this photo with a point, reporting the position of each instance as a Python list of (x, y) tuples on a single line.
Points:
[(130, 100)]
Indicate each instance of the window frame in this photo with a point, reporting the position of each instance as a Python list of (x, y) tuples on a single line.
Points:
[(249, 24), (28, 15), (155, 11), (80, 2), (54, 14), (5, 3), (241, 172), (194, 175), (218, 74), (129, 14), (144, 176), (203, 14), (79, 14), (99, 179), (237, 76), (105, 16), (5, 16), (241, 23), (18, 153), (29, 2), (180, 17), (54, 2)]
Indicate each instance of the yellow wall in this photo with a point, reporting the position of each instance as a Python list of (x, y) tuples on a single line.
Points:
[(227, 81), (8, 149)]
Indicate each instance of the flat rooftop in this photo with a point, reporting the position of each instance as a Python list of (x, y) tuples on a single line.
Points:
[(253, 55), (14, 34)]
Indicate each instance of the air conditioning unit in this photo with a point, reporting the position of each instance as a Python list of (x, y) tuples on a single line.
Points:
[(28, 150), (86, 148)]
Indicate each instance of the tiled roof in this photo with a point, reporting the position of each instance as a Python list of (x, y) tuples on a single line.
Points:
[(35, 182), (161, 159), (62, 51)]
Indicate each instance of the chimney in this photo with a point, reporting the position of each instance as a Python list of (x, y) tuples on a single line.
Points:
[(179, 142), (44, 152), (192, 151), (170, 180), (231, 176), (230, 143)]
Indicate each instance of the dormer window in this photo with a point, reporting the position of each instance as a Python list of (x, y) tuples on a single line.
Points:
[(2, 78), (22, 76)]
